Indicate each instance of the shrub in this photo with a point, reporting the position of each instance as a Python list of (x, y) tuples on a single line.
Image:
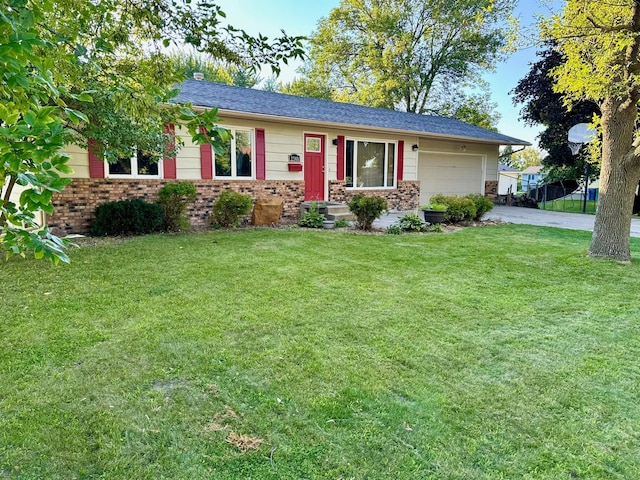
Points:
[(173, 198), (312, 218), (436, 207), (459, 209), (482, 203), (229, 207), (393, 230), (412, 223), (367, 209), (127, 217), (342, 223)]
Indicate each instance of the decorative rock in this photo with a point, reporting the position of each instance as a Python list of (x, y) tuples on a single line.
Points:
[(267, 211)]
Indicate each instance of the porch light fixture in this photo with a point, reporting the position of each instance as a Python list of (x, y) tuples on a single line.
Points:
[(415, 147), (335, 142)]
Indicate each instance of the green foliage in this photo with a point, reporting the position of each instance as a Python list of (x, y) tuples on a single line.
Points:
[(482, 204), (459, 209), (213, 69), (308, 87), (367, 209), (74, 71), (436, 207), (229, 207), (173, 198), (127, 217), (546, 107), (31, 131), (411, 222), (312, 218), (394, 230), (600, 46), (476, 109), (414, 55), (342, 223)]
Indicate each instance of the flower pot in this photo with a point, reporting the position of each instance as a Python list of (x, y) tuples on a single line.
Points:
[(434, 216), (328, 224)]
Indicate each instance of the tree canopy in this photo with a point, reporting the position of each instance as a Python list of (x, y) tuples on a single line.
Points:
[(544, 106), (412, 55), (213, 69), (76, 70)]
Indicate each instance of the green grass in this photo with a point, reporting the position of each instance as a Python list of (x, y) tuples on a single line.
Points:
[(489, 353), (571, 206)]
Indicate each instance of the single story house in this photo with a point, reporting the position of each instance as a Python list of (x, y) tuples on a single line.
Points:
[(532, 178), (507, 179), (299, 149)]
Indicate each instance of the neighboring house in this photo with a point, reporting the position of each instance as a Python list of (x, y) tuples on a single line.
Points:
[(532, 178), (299, 149), (507, 179)]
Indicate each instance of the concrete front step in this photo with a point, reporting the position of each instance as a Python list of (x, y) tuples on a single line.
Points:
[(341, 216), (333, 211)]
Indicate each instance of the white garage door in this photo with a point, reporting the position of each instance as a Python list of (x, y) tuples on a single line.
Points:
[(450, 174)]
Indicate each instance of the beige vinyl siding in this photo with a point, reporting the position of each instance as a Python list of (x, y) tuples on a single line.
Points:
[(79, 161), (284, 139), (188, 157)]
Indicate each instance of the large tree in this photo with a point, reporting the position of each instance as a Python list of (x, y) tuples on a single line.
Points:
[(214, 70), (601, 43), (78, 70), (413, 55)]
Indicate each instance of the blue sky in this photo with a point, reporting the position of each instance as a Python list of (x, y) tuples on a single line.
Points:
[(299, 17)]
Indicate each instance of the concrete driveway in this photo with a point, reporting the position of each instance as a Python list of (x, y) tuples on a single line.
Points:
[(546, 218)]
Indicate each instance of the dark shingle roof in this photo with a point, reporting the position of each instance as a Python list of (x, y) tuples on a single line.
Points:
[(247, 100), (506, 168)]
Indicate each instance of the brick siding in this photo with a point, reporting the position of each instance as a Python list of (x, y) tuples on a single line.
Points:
[(405, 197), (75, 206)]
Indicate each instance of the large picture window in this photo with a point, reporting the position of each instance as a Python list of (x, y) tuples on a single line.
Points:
[(370, 164), (236, 159), (140, 165)]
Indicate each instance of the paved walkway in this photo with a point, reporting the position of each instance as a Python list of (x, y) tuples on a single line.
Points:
[(527, 216), (547, 218)]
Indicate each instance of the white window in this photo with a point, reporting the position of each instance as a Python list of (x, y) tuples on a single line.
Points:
[(140, 165), (370, 164), (236, 160)]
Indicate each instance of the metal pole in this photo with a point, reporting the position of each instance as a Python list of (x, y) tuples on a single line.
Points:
[(587, 169)]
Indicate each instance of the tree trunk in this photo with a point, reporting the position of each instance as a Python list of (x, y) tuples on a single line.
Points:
[(5, 198), (619, 177)]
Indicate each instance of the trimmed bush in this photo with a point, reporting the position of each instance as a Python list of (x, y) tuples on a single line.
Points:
[(127, 217), (173, 198), (312, 218), (367, 209), (482, 203), (229, 207), (459, 209)]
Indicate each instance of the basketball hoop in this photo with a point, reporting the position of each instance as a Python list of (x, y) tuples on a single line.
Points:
[(578, 135), (575, 147)]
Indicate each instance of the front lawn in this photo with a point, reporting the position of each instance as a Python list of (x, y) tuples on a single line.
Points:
[(492, 352)]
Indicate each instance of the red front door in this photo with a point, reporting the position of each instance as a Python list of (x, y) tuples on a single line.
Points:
[(313, 167)]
